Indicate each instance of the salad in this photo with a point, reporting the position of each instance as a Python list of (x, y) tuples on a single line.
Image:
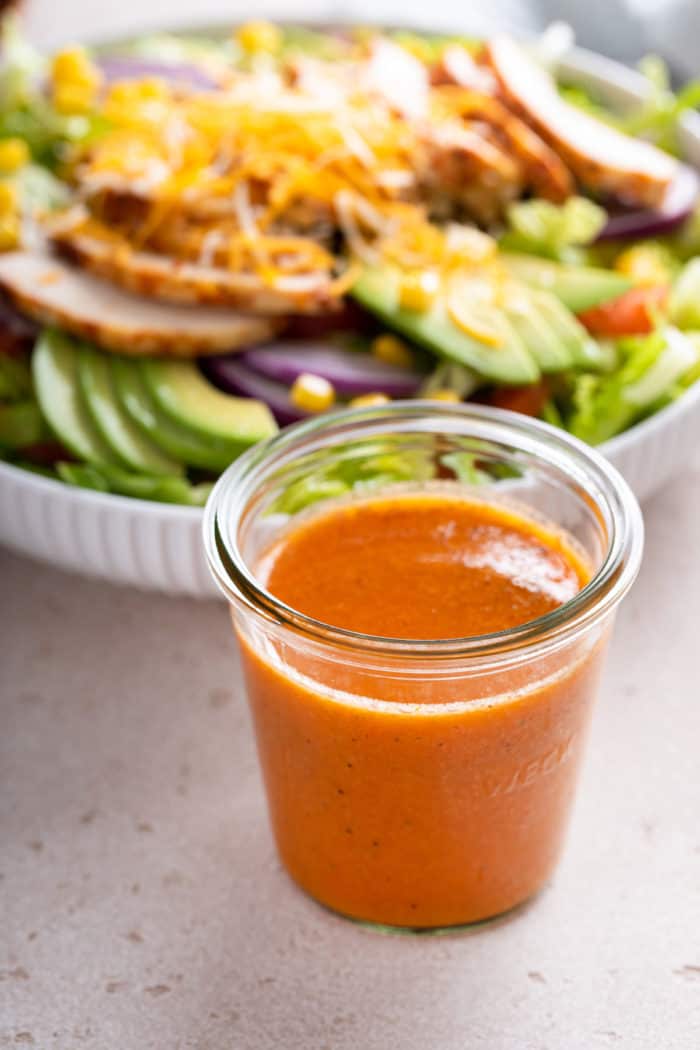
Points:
[(204, 239)]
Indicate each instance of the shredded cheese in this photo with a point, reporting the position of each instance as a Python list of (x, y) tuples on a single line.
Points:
[(258, 175)]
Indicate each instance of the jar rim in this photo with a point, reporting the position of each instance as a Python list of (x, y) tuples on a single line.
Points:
[(579, 463)]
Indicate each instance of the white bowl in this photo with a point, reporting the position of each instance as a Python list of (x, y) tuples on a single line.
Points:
[(158, 545)]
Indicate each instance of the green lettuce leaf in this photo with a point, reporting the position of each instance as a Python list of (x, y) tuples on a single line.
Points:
[(650, 369), (356, 468), (465, 469), (559, 232), (22, 66), (449, 375), (658, 116), (685, 298), (25, 110), (104, 478)]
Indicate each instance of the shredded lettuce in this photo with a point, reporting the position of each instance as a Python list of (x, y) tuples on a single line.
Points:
[(26, 111), (651, 366), (585, 100), (104, 478), (449, 375), (22, 66), (215, 55), (308, 490), (657, 118), (685, 298), (307, 41), (464, 467), (558, 232), (685, 243), (40, 191), (551, 414), (356, 468)]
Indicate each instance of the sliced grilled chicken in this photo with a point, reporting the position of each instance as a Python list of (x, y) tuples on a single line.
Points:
[(461, 169), (51, 291), (543, 170), (162, 277), (602, 159), (457, 67), (397, 77), (326, 82)]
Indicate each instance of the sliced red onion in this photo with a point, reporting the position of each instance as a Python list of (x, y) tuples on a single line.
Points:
[(132, 67), (351, 373), (17, 332), (231, 375), (678, 204), (349, 317)]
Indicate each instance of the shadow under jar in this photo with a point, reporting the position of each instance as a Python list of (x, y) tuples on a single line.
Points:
[(421, 783)]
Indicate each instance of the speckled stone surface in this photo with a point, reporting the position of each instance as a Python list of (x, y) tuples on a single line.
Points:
[(142, 906)]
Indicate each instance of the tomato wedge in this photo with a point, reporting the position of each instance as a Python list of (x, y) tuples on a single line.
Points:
[(633, 313), (528, 400)]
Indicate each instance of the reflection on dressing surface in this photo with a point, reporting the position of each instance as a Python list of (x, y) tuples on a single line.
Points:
[(424, 566)]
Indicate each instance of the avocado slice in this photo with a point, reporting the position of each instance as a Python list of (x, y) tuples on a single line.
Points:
[(119, 431), (175, 440), (550, 351), (187, 397), (378, 291), (583, 349), (578, 287), (55, 374)]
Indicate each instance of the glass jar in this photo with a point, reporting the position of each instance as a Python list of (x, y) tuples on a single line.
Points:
[(415, 783)]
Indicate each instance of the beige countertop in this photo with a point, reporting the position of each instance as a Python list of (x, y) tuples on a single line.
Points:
[(143, 906)]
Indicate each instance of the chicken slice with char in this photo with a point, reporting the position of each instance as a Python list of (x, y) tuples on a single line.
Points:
[(602, 158), (165, 278), (51, 291), (544, 173), (457, 68), (462, 170)]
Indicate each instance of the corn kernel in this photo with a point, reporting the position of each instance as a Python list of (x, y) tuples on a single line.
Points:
[(72, 99), (9, 232), (152, 89), (14, 154), (72, 64), (392, 350), (369, 401), (418, 47), (312, 393), (75, 81), (9, 199), (131, 92), (256, 37), (443, 395), (419, 290), (645, 265)]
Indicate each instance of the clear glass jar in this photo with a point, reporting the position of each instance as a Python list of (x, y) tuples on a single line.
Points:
[(421, 784)]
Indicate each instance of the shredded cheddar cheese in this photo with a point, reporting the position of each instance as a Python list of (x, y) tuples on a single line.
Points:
[(257, 176), (288, 173)]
